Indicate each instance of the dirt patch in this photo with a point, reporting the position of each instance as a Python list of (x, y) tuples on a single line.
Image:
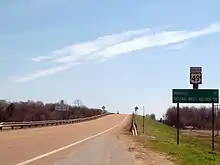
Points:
[(144, 156)]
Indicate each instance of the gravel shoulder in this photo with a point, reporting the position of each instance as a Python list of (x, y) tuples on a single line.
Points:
[(107, 149), (144, 156), (104, 150)]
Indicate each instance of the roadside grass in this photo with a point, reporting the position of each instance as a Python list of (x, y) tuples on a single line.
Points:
[(192, 150)]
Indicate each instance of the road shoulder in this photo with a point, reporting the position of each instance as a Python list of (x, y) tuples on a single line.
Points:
[(141, 154), (106, 149)]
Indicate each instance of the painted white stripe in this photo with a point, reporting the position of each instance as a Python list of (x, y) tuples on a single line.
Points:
[(70, 145)]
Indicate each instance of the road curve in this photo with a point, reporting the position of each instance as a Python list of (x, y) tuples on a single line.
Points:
[(47, 145)]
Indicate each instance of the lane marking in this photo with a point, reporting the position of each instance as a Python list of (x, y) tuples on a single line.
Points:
[(70, 145)]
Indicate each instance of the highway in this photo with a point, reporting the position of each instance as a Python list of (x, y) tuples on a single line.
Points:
[(87, 143)]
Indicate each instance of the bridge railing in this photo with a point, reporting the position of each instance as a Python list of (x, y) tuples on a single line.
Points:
[(12, 125)]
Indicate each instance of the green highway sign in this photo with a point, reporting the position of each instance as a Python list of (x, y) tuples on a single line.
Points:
[(195, 96)]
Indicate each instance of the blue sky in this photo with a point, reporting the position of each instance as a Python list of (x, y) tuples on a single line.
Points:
[(156, 43)]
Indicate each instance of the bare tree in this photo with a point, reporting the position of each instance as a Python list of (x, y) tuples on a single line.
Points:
[(199, 118), (32, 111), (152, 116)]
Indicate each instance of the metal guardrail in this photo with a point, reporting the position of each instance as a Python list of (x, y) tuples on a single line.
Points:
[(30, 124)]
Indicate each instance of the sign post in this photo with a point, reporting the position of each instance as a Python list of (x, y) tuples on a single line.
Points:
[(217, 119), (178, 124), (213, 128), (195, 95), (143, 118)]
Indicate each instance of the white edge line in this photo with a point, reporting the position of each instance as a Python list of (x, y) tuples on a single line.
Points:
[(70, 145)]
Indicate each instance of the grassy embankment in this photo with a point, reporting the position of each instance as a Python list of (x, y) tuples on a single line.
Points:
[(193, 149)]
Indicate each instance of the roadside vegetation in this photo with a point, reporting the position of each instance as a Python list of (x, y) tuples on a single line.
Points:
[(38, 111), (193, 149), (196, 117)]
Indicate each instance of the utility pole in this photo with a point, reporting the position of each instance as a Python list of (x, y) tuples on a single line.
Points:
[(143, 118), (217, 119)]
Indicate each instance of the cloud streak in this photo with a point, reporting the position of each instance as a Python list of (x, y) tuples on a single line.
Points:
[(46, 72), (110, 46), (82, 49), (178, 46)]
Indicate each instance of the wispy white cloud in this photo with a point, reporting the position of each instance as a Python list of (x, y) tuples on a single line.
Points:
[(178, 46), (110, 46), (79, 50), (160, 39), (166, 27), (45, 72)]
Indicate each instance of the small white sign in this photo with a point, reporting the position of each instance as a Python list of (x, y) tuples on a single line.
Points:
[(61, 106)]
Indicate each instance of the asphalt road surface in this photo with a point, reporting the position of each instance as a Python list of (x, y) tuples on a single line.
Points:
[(88, 143)]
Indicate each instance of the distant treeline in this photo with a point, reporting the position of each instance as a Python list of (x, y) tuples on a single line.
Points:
[(38, 111), (199, 118)]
